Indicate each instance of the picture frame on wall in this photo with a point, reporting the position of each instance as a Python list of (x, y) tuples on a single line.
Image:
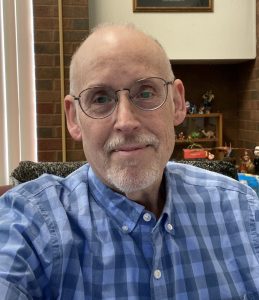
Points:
[(172, 5)]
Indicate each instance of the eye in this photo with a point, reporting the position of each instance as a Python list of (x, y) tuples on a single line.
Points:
[(101, 99), (145, 92)]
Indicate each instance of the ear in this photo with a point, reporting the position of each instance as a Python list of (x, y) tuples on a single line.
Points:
[(72, 121), (179, 102)]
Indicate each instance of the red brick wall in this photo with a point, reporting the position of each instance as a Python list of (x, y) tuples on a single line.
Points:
[(46, 35)]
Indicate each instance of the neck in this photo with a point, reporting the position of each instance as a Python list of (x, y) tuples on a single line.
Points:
[(152, 198)]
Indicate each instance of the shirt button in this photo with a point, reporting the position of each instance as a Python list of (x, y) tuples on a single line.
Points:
[(125, 228), (169, 227), (147, 217), (157, 274)]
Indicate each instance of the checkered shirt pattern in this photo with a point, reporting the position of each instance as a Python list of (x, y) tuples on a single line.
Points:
[(74, 238)]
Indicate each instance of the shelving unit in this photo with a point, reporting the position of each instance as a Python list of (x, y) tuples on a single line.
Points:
[(193, 125)]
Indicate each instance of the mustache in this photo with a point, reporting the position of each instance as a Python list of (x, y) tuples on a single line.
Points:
[(138, 140)]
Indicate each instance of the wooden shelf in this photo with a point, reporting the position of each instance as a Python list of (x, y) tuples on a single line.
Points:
[(196, 123), (200, 140)]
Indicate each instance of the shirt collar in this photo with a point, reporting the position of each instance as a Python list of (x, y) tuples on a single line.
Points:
[(122, 210)]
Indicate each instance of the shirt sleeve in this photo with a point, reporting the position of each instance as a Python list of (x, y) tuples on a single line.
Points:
[(253, 205), (10, 292), (25, 249)]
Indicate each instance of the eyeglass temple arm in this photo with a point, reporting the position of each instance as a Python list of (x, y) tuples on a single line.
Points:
[(75, 98)]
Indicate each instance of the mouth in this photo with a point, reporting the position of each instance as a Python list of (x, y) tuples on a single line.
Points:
[(130, 148), (130, 151)]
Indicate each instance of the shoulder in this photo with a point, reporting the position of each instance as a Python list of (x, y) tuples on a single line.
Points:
[(198, 177), (213, 196), (44, 195)]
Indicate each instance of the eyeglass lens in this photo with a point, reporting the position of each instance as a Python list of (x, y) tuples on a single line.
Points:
[(146, 94)]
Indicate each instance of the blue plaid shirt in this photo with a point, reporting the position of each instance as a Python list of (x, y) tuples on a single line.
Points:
[(74, 238)]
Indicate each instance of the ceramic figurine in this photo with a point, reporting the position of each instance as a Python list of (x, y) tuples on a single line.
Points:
[(246, 164), (207, 102), (209, 134)]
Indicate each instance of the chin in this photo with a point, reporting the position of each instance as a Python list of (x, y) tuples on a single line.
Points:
[(129, 180)]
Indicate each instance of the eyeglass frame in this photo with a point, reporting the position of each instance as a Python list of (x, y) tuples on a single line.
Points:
[(166, 83)]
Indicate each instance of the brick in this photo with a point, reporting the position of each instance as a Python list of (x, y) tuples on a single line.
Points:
[(43, 36), (70, 48), (44, 84), (45, 11), (75, 155), (73, 145), (45, 132), (66, 58), (46, 2), (49, 132), (49, 156), (48, 120), (49, 144), (247, 125), (47, 96), (74, 36), (75, 2), (45, 108), (46, 48), (58, 132), (46, 23), (80, 24), (75, 11), (45, 60), (48, 72), (254, 115)]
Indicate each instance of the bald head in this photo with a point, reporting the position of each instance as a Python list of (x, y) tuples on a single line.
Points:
[(111, 46)]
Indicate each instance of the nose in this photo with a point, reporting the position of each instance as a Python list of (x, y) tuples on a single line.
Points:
[(126, 113)]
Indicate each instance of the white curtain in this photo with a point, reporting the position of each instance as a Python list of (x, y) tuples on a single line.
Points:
[(18, 138)]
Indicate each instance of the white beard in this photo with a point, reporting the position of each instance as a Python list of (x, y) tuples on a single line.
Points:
[(130, 178), (130, 175)]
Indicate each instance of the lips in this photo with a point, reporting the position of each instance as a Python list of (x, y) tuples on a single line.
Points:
[(129, 148)]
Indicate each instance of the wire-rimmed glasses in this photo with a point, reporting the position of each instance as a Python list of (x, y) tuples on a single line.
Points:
[(147, 94)]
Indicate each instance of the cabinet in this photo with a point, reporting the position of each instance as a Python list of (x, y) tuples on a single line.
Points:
[(203, 129)]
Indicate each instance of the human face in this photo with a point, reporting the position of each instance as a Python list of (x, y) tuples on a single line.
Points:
[(129, 149)]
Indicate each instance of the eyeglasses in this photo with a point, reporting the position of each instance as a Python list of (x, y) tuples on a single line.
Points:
[(147, 94)]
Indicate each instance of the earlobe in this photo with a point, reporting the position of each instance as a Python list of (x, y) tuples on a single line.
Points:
[(71, 117), (179, 102)]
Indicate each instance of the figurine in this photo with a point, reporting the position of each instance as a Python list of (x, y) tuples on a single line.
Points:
[(194, 135), (181, 136), (209, 134), (256, 160), (201, 110), (190, 108), (207, 102), (246, 165), (211, 156)]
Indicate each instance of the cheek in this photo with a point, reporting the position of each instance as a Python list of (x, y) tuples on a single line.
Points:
[(94, 137), (167, 130)]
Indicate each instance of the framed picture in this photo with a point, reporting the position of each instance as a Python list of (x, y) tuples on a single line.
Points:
[(172, 5)]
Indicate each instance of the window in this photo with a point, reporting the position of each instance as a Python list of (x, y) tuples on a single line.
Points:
[(18, 138)]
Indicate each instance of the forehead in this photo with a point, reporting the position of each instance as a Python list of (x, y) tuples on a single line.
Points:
[(121, 51)]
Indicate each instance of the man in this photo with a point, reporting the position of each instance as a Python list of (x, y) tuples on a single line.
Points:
[(128, 225)]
